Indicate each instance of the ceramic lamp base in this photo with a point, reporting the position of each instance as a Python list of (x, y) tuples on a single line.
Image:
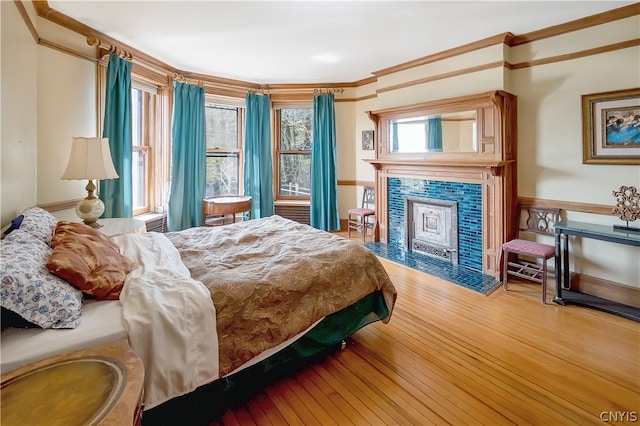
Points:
[(89, 210)]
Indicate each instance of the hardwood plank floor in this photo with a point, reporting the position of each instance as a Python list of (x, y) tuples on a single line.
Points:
[(453, 356)]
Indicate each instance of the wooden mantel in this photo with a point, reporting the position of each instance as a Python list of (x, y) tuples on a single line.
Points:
[(493, 165)]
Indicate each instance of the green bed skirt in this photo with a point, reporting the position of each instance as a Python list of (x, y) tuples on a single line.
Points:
[(207, 403)]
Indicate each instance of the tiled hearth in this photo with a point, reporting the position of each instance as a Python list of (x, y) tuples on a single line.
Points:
[(463, 276)]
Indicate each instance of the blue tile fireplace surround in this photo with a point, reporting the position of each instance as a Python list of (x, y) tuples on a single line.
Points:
[(468, 272)]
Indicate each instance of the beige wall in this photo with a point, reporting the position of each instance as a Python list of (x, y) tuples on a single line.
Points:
[(549, 124), (18, 120), (56, 94), (75, 83), (550, 139), (47, 98)]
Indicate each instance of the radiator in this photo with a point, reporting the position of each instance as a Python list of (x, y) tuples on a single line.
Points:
[(158, 224), (297, 213)]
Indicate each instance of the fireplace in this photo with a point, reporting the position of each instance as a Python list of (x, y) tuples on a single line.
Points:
[(467, 198), (431, 227), (489, 174)]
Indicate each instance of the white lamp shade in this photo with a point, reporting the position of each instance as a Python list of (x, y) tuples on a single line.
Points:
[(90, 159)]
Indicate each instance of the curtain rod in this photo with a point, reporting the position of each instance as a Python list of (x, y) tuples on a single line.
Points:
[(328, 90), (182, 79), (94, 41), (258, 91)]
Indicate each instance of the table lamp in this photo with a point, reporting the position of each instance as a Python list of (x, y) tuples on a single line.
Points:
[(90, 159)]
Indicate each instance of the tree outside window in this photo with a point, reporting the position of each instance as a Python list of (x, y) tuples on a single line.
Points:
[(224, 154), (293, 152)]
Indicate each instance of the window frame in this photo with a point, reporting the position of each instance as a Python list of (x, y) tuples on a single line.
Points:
[(239, 149), (277, 143), (149, 140)]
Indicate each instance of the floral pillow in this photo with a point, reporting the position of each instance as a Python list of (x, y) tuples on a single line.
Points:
[(39, 223), (87, 259), (30, 290)]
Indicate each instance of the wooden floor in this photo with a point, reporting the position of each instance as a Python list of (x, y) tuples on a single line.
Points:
[(453, 356)]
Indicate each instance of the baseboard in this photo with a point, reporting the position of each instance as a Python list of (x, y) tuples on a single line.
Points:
[(606, 289)]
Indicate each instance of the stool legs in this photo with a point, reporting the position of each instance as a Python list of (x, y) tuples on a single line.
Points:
[(505, 272), (544, 281)]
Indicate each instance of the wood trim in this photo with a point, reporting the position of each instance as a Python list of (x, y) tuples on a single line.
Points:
[(365, 81), (577, 55), (237, 89), (512, 40), (355, 183), (43, 42), (60, 205), (45, 11), (64, 49), (606, 289), (578, 24), (27, 20), (445, 75), (456, 51), (568, 205)]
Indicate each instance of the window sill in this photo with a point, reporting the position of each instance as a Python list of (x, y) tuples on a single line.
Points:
[(291, 203)]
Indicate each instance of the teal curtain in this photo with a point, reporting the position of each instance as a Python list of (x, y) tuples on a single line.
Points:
[(395, 147), (324, 181), (117, 194), (434, 134), (258, 160), (188, 158)]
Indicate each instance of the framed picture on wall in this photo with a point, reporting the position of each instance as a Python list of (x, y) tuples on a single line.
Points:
[(367, 140), (611, 127)]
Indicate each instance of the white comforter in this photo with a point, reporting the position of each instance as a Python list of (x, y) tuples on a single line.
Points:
[(169, 317)]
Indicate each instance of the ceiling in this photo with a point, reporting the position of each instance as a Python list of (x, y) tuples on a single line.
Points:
[(279, 42)]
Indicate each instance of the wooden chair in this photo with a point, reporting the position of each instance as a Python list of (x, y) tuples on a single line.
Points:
[(533, 264), (364, 217)]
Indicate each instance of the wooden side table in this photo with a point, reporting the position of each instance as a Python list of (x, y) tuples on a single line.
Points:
[(218, 211), (101, 385)]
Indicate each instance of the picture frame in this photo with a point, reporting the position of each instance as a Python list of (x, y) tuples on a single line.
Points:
[(367, 140), (611, 127)]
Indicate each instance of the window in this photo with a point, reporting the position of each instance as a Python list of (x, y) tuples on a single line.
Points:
[(294, 136), (224, 154), (143, 117)]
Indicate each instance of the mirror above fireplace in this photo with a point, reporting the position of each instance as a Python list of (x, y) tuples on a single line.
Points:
[(452, 132), (467, 128)]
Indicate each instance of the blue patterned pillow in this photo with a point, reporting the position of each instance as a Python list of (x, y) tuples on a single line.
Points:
[(39, 223), (30, 290)]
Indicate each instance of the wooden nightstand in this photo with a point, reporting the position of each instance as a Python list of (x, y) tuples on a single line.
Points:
[(101, 385), (118, 226)]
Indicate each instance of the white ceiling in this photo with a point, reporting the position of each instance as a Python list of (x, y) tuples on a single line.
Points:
[(271, 42)]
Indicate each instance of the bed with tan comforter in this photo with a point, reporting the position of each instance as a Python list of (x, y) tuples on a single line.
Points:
[(269, 280)]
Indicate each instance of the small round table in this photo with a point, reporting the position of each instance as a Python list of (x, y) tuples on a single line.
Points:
[(99, 385), (218, 211)]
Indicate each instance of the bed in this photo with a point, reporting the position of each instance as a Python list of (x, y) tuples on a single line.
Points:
[(199, 306)]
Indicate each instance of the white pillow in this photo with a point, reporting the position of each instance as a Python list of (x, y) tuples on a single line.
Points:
[(30, 290), (39, 223)]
